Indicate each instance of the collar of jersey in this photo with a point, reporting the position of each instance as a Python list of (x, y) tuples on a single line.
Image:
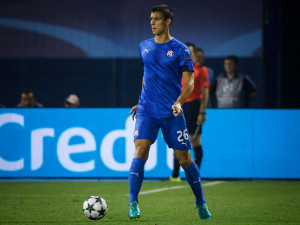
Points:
[(163, 43)]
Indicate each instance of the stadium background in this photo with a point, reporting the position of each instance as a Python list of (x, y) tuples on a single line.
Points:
[(91, 48)]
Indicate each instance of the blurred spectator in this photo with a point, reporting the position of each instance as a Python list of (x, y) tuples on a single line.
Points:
[(28, 100), (199, 53), (233, 89), (72, 101)]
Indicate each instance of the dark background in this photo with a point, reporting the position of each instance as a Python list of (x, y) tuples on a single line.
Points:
[(98, 82), (97, 57), (281, 53), (114, 29)]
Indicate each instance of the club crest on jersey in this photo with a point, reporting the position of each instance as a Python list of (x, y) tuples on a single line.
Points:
[(136, 133), (170, 53)]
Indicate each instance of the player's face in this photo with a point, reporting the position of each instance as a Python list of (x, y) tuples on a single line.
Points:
[(27, 100), (200, 57), (158, 23), (192, 51), (229, 66)]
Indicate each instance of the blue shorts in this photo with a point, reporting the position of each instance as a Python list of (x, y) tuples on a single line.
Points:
[(173, 128)]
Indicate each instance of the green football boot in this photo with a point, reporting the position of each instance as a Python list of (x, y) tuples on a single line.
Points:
[(204, 212), (175, 179), (134, 210)]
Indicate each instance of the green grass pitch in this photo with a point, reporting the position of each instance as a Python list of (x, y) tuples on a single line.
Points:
[(231, 202)]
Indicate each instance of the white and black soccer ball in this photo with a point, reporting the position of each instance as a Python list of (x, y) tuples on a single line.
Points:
[(95, 208)]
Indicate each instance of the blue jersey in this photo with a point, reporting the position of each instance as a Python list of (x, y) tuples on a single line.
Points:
[(163, 67)]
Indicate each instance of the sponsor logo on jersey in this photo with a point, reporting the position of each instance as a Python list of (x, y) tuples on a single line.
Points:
[(136, 133), (187, 58), (170, 53), (147, 50)]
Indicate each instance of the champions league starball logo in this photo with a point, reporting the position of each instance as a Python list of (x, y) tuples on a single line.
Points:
[(170, 53)]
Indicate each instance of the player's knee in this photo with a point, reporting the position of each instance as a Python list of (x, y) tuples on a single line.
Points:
[(185, 162), (141, 152)]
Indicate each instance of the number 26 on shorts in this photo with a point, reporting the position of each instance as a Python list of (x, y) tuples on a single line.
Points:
[(182, 136)]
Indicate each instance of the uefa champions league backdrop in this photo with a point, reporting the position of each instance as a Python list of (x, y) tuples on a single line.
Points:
[(73, 45), (99, 143), (105, 29)]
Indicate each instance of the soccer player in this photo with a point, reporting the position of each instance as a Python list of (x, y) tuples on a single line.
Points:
[(194, 111), (166, 60)]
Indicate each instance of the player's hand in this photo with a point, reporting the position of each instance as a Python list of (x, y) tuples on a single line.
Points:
[(177, 110), (201, 118), (133, 110)]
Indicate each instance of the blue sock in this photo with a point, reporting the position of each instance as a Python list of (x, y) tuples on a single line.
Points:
[(136, 176), (192, 174)]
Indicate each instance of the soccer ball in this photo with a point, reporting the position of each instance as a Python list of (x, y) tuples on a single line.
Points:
[(95, 208)]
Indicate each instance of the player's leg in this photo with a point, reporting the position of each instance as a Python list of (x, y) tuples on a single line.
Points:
[(175, 175), (196, 143), (187, 107), (192, 174), (136, 172), (145, 134), (194, 129), (177, 137), (136, 175)]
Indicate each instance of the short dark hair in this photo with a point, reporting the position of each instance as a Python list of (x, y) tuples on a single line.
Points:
[(27, 91), (165, 10), (190, 44), (234, 58), (199, 50)]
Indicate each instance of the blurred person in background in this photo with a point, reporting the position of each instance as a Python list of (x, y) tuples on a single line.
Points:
[(233, 89), (199, 54), (194, 110), (28, 100), (72, 101)]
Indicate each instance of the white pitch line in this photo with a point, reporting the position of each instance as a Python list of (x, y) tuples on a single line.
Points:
[(55, 196), (159, 190), (141, 193), (213, 183), (176, 187)]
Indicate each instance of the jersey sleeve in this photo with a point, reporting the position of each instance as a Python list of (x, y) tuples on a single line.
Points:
[(186, 62)]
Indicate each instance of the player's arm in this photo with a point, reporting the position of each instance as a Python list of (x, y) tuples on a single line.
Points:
[(134, 108), (186, 91), (204, 83), (204, 101)]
